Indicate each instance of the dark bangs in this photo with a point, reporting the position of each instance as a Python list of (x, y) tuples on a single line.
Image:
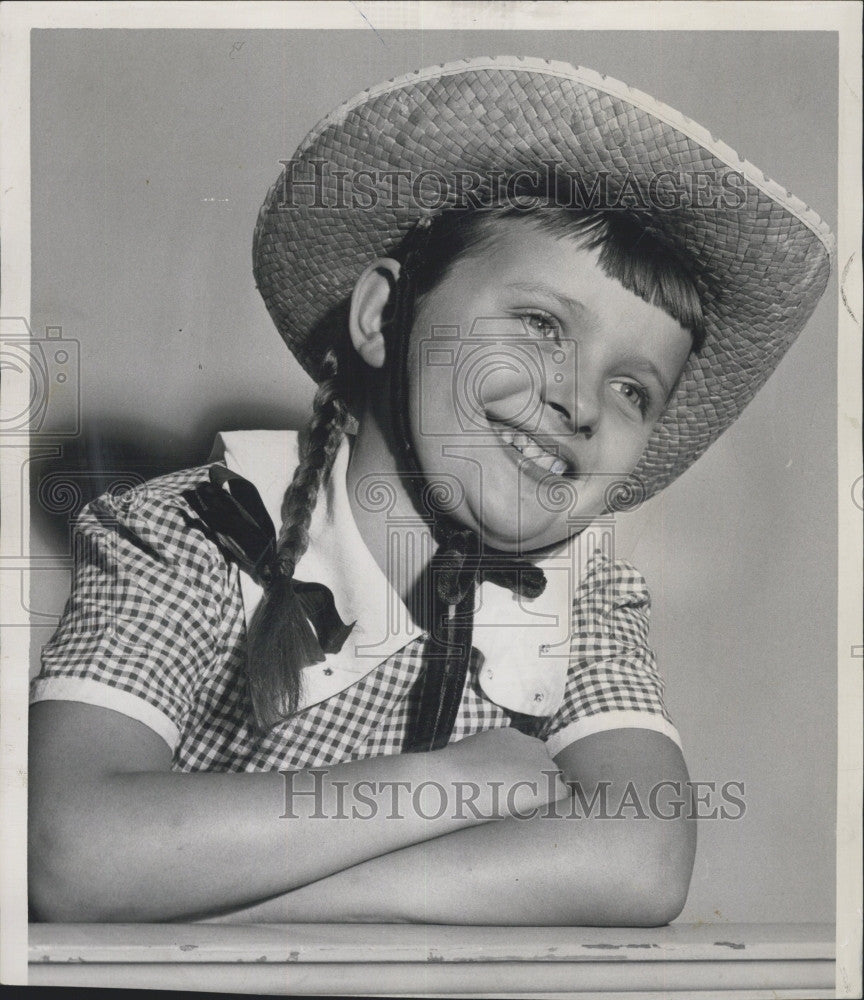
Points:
[(631, 251)]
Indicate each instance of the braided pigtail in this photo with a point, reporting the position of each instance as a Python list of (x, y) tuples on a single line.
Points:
[(281, 641)]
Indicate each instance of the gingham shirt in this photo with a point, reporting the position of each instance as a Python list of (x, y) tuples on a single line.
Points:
[(155, 628)]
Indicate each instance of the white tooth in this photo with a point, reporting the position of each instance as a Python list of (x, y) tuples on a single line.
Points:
[(545, 461), (522, 440), (507, 436), (558, 466)]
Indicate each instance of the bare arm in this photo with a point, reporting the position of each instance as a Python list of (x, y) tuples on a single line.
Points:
[(561, 867), (116, 835)]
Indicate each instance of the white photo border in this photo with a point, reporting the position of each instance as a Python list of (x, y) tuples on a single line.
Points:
[(841, 17)]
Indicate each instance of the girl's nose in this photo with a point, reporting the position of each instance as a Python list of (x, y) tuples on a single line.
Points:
[(587, 409), (577, 401)]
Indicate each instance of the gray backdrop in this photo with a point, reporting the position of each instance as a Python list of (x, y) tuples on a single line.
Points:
[(151, 154)]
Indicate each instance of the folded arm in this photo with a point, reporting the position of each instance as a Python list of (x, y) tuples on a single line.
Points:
[(115, 834), (624, 860)]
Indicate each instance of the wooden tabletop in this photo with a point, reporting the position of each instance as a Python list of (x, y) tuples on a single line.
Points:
[(697, 959)]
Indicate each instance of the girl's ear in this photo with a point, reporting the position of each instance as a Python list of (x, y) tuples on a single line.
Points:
[(372, 293)]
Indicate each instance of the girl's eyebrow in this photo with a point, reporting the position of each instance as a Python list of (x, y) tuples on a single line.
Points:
[(538, 288), (647, 366)]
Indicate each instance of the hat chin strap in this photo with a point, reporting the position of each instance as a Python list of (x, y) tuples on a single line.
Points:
[(460, 564)]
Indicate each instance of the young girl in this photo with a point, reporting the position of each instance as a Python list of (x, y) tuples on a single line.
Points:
[(530, 297)]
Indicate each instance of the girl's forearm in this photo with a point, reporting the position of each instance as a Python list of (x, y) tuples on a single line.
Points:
[(616, 849), (539, 871), (115, 841), (166, 845)]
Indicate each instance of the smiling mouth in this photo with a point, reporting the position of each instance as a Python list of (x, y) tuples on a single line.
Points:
[(535, 453)]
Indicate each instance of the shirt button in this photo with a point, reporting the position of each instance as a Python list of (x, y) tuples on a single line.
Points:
[(544, 648), (538, 697), (327, 671), (488, 675)]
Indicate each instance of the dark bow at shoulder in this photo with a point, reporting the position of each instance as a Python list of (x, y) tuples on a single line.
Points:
[(233, 511)]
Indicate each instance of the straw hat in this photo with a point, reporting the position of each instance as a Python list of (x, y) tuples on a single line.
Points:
[(371, 169)]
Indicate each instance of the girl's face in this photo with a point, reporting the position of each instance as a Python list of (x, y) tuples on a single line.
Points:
[(534, 383)]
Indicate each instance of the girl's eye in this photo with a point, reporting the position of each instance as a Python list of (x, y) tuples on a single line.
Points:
[(541, 324), (635, 394)]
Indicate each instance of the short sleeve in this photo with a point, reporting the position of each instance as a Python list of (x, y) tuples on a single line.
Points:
[(612, 678), (142, 625)]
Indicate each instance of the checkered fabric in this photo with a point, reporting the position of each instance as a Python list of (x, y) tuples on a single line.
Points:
[(155, 628)]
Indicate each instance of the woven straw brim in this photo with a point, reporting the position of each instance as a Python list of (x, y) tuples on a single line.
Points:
[(760, 257)]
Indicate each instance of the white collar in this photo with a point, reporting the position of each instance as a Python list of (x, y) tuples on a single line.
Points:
[(525, 642)]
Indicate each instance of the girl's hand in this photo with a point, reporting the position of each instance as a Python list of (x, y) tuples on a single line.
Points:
[(503, 772)]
